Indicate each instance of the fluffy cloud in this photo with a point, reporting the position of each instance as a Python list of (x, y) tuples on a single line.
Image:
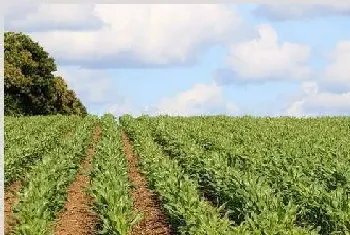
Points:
[(119, 109), (330, 94), (321, 104), (97, 91), (199, 100), (301, 11), (309, 87), (94, 87), (336, 75), (329, 102), (265, 59), (45, 17), (131, 35)]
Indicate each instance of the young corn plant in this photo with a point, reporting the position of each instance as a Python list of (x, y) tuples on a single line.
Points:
[(254, 173), (188, 212), (110, 186), (25, 147), (44, 193)]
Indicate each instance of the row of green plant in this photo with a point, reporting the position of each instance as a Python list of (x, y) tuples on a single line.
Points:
[(28, 147), (303, 160), (109, 182), (188, 212), (270, 176), (318, 146), (250, 200), (44, 193), (15, 128)]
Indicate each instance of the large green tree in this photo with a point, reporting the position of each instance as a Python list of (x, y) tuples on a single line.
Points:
[(30, 86)]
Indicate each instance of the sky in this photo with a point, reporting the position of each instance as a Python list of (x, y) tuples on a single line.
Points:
[(245, 59)]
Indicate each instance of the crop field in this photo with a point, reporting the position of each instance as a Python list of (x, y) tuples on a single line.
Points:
[(208, 175)]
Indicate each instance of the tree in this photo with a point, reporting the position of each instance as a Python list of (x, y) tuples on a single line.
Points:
[(30, 86)]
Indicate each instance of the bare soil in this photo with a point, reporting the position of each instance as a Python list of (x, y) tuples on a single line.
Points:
[(77, 218), (10, 200), (155, 221), (69, 133)]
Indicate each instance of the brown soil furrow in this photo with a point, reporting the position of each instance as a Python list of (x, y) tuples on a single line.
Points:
[(155, 220), (77, 217), (10, 200)]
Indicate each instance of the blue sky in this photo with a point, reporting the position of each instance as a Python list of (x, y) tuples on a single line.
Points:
[(198, 59)]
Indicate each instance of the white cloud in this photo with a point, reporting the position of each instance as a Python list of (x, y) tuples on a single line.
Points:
[(337, 73), (135, 35), (296, 109), (119, 109), (97, 91), (321, 104), (309, 87), (44, 17), (94, 87), (265, 59), (330, 101), (199, 100), (282, 12), (330, 94), (316, 102)]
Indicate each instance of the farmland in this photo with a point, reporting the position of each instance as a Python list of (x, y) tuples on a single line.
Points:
[(177, 175)]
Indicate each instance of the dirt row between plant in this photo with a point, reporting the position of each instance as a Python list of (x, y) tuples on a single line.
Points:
[(10, 200), (77, 218), (155, 221)]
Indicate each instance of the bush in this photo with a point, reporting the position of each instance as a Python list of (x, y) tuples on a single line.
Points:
[(30, 87)]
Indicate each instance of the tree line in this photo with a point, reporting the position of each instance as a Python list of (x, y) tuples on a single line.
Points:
[(30, 88)]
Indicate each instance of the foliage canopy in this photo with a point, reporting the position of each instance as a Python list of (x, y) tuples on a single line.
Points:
[(30, 87)]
